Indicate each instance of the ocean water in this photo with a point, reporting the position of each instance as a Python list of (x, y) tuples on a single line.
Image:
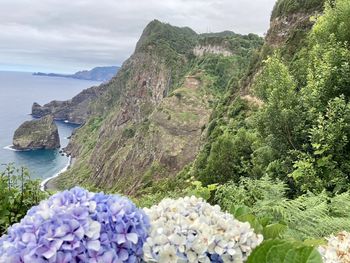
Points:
[(18, 91)]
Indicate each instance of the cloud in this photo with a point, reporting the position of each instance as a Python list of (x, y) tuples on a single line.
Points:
[(69, 35)]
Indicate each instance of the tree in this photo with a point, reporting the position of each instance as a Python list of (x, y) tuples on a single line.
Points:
[(229, 158), (326, 164), (280, 120)]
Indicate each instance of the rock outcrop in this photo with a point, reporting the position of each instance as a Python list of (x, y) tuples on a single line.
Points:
[(202, 50), (287, 33), (37, 134), (75, 110)]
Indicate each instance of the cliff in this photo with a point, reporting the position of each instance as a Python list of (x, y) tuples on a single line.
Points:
[(150, 121), (234, 143), (75, 110), (290, 23), (37, 134)]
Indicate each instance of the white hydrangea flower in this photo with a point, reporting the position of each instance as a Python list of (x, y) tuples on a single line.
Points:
[(337, 250), (191, 230)]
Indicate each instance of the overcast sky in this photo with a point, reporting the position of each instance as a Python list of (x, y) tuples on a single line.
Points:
[(70, 35)]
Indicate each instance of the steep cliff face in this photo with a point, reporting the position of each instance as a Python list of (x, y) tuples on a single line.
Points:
[(290, 22), (201, 50), (149, 123), (75, 110), (123, 111), (154, 147)]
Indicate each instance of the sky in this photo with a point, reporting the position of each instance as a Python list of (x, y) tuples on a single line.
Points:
[(65, 36)]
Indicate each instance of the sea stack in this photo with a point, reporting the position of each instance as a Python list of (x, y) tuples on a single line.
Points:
[(37, 134)]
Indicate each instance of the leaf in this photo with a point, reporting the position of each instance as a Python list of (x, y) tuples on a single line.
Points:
[(303, 255), (253, 221), (241, 210), (274, 231), (284, 251), (278, 252)]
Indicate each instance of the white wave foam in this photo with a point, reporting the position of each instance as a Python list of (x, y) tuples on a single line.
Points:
[(10, 148), (43, 183)]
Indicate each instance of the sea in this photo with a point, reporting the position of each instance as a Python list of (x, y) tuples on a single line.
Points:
[(18, 91)]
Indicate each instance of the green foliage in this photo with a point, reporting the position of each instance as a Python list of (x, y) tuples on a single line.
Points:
[(328, 74), (229, 157), (335, 21), (169, 188), (280, 120), (274, 77), (284, 251), (287, 7), (301, 132), (128, 133), (240, 45), (198, 190), (94, 123), (18, 193), (160, 35), (221, 69), (325, 164), (265, 205)]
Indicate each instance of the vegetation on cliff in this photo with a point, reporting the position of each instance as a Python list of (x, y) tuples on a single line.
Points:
[(37, 134), (265, 135), (287, 134), (149, 123)]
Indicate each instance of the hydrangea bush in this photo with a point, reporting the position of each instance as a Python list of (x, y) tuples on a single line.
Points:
[(191, 230), (77, 226), (337, 250)]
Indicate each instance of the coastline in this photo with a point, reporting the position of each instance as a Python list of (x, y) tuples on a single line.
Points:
[(44, 185), (10, 148)]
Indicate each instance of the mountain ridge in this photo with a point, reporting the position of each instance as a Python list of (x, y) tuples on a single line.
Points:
[(96, 74), (131, 133)]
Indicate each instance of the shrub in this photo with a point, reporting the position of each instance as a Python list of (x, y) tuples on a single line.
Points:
[(191, 230), (77, 226), (18, 193)]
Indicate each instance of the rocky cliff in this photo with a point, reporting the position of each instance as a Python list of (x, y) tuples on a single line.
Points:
[(75, 110), (149, 123), (290, 22), (37, 134)]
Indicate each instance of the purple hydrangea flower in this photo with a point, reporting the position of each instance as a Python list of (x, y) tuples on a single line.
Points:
[(77, 226)]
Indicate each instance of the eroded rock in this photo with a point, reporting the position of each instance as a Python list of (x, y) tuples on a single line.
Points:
[(37, 134)]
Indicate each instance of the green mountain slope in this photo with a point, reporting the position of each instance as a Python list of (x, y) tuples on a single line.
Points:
[(149, 123)]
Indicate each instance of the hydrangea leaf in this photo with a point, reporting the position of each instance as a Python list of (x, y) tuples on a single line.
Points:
[(274, 231), (284, 251)]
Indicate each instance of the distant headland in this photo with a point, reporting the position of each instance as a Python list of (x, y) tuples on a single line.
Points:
[(97, 74)]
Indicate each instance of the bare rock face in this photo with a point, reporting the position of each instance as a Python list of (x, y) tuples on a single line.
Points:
[(202, 50), (75, 110), (37, 134)]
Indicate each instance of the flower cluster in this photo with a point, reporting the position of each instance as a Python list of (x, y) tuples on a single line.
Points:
[(191, 230), (78, 226), (337, 250)]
